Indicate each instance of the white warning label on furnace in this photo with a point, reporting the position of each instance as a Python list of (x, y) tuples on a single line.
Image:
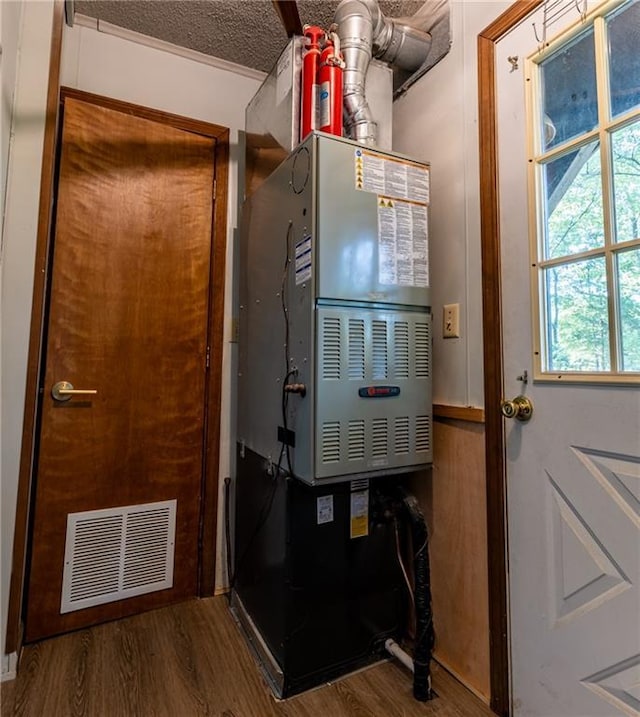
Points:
[(403, 258), (303, 260), (324, 508), (391, 177), (360, 514)]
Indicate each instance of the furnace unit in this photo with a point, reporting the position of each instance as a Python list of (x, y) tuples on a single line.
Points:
[(335, 301), (334, 406)]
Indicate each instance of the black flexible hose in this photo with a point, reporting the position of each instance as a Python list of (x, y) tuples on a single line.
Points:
[(424, 619), (227, 531)]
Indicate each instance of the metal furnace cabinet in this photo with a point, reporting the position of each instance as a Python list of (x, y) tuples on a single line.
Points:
[(314, 603), (334, 296)]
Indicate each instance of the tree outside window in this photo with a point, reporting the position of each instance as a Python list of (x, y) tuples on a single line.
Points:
[(585, 171)]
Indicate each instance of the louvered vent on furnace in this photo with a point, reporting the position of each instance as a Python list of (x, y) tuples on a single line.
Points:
[(379, 350), (356, 348), (356, 440), (331, 348), (422, 339), (401, 349), (423, 433), (331, 442), (402, 435), (379, 437)]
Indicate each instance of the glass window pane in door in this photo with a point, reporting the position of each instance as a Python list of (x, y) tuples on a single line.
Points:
[(625, 149), (569, 98), (577, 321), (624, 58), (628, 264), (573, 206)]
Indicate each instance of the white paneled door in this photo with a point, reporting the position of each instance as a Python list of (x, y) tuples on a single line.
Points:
[(573, 479)]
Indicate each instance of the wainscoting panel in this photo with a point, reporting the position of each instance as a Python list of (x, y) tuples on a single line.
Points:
[(454, 503)]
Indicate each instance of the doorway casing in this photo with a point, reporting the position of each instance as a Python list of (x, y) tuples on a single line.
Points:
[(492, 347)]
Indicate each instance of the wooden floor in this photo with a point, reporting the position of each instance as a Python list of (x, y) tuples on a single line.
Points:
[(191, 660)]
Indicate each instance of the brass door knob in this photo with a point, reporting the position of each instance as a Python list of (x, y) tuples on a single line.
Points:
[(63, 391), (519, 408)]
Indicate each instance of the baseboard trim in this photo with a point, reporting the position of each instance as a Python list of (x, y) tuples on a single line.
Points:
[(9, 667)]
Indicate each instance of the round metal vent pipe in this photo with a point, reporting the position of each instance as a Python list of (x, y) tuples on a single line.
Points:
[(355, 30), (365, 32)]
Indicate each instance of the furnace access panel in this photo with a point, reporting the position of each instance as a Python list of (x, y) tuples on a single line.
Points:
[(334, 295)]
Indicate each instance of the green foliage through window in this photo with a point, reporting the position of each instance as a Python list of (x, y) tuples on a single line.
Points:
[(587, 171)]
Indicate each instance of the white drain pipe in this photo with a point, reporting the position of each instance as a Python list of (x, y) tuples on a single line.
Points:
[(392, 647)]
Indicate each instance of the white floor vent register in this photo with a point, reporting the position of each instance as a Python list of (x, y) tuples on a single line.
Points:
[(118, 553)]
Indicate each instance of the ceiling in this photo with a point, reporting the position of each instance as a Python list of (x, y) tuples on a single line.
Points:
[(246, 32)]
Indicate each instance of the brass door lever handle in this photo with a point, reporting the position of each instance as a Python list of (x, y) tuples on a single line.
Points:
[(64, 391)]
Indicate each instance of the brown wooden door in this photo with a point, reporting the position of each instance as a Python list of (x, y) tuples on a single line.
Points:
[(128, 317)]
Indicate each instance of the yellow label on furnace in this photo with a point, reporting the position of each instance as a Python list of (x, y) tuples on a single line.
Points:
[(360, 514)]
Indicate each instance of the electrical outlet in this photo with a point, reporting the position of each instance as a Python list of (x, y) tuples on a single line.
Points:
[(451, 321)]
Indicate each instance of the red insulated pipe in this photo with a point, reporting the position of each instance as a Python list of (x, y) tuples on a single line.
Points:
[(310, 64), (330, 90)]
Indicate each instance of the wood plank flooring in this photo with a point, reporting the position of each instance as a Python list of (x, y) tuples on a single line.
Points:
[(190, 660)]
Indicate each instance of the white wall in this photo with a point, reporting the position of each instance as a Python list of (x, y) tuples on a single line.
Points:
[(10, 20), (10, 24), (17, 259), (125, 70), (437, 121)]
